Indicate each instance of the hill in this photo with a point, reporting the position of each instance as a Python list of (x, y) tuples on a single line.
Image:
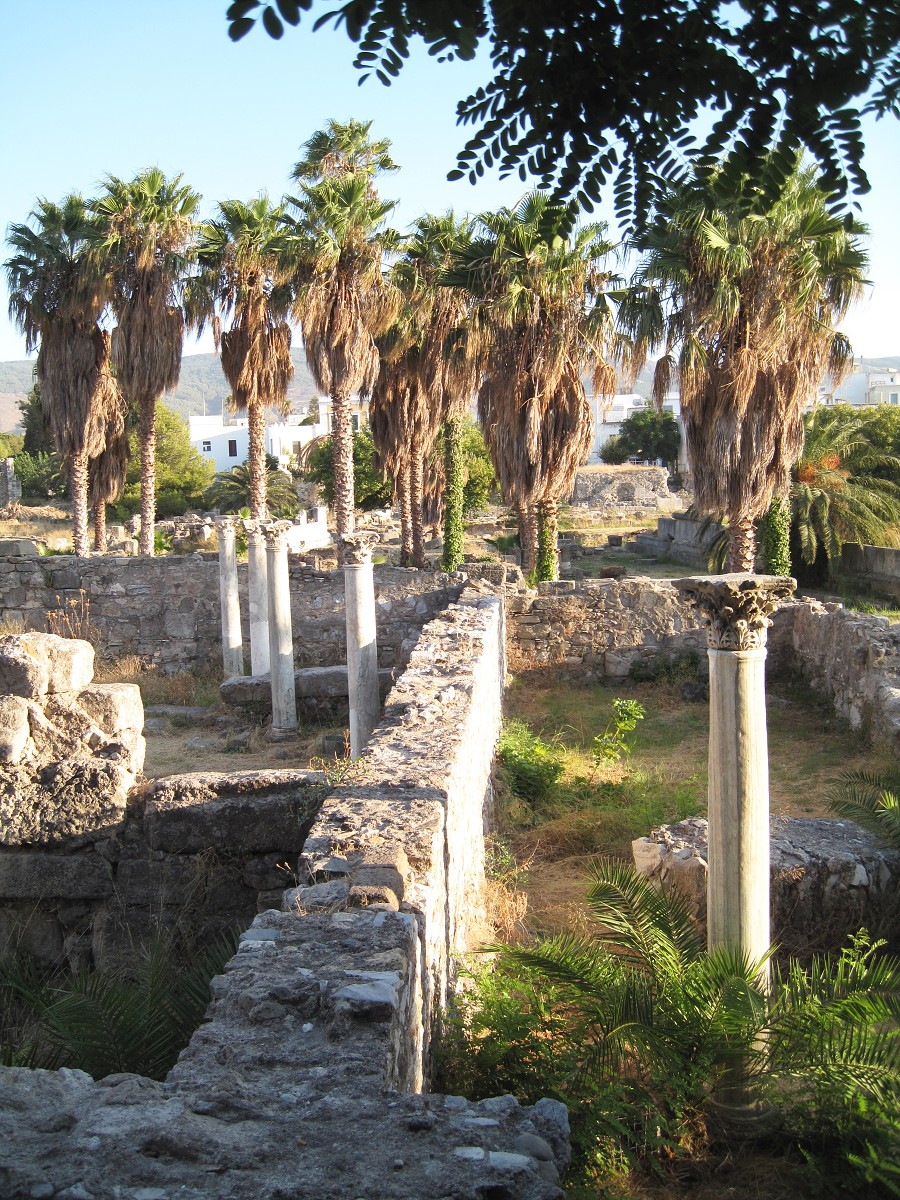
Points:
[(202, 387)]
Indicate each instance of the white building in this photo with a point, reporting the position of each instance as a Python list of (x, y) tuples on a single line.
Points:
[(864, 386), (608, 418)]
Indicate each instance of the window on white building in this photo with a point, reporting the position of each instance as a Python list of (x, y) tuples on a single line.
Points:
[(894, 397), (232, 448)]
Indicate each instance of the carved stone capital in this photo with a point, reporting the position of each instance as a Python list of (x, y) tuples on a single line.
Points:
[(275, 534), (226, 524), (357, 547), (253, 527), (735, 608)]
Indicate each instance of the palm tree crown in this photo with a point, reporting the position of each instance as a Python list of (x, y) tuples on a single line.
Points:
[(343, 148), (246, 258), (744, 294), (145, 231)]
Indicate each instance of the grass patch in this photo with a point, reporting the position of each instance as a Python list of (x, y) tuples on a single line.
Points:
[(194, 688)]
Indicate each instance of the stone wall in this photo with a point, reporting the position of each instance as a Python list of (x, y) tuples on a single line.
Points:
[(828, 879), (680, 539), (610, 490), (875, 567), (596, 629), (328, 1002), (167, 609)]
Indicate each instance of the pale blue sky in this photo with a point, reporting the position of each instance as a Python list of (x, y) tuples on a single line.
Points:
[(111, 86)]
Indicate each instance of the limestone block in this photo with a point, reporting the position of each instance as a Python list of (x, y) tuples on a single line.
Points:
[(70, 661), (246, 812), (14, 729), (116, 707), (19, 547), (21, 672), (72, 798), (828, 878), (35, 876)]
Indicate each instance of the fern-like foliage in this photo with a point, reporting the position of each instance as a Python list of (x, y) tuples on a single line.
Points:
[(872, 801), (104, 1021)]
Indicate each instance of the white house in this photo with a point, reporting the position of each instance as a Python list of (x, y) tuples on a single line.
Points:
[(608, 418), (864, 386), (225, 442)]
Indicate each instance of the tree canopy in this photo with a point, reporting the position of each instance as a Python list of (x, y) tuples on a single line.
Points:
[(583, 94)]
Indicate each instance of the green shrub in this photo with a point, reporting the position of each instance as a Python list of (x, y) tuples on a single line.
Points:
[(609, 746), (40, 475), (531, 766), (170, 504), (635, 1028)]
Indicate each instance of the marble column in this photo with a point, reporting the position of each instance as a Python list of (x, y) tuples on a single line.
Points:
[(232, 647), (281, 641), (362, 652), (258, 589), (735, 610)]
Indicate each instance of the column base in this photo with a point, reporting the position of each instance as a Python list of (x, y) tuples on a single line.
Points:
[(282, 735)]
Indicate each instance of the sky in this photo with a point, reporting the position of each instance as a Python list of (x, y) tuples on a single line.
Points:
[(112, 86)]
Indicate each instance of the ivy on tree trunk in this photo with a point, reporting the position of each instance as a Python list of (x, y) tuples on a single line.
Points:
[(548, 549), (775, 537), (454, 486)]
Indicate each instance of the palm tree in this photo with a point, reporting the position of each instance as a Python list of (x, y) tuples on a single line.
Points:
[(246, 261), (343, 148), (106, 471), (837, 494), (58, 294), (146, 227), (542, 320), (744, 294), (447, 369), (344, 303), (231, 490)]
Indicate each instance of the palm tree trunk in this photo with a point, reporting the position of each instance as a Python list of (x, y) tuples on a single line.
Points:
[(342, 450), (147, 435), (453, 496), (415, 489), (100, 544), (548, 545), (256, 429), (528, 536), (405, 495), (741, 544), (78, 491)]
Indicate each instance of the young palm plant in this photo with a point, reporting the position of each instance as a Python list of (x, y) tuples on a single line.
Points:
[(246, 259), (541, 321), (58, 293), (744, 294), (145, 229), (231, 490), (637, 1027)]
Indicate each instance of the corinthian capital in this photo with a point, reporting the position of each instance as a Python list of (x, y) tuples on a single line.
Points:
[(357, 547), (735, 608)]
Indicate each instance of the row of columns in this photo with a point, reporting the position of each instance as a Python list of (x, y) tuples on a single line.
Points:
[(271, 636)]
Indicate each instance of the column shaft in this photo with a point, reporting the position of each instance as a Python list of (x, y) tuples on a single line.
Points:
[(232, 647), (281, 642), (738, 880), (362, 655)]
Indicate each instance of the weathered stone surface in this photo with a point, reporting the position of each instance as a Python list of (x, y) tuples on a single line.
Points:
[(66, 799), (248, 812), (828, 878), (70, 662), (21, 672), (33, 876), (254, 692), (610, 489), (14, 728)]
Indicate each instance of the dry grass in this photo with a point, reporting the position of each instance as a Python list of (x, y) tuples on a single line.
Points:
[(666, 778)]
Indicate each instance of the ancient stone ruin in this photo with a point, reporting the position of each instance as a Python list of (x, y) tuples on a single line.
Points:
[(308, 1077)]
